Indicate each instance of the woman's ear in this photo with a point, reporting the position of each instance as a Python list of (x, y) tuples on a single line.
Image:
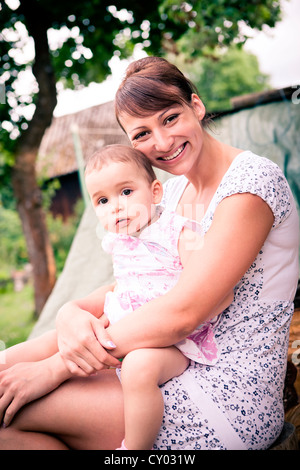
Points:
[(157, 191), (198, 106)]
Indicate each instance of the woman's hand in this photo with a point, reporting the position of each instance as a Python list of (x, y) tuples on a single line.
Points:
[(26, 381), (83, 340)]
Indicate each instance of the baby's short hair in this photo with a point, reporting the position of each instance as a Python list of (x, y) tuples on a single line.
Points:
[(120, 153)]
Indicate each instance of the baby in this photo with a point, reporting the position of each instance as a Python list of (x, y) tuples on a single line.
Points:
[(150, 247)]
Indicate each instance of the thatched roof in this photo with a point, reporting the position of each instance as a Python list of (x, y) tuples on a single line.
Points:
[(95, 126)]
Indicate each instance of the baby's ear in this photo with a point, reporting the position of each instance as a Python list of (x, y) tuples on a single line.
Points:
[(157, 191)]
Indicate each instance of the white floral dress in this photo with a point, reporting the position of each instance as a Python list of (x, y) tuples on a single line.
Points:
[(237, 402), (147, 267)]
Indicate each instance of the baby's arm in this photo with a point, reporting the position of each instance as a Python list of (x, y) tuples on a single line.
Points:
[(190, 241)]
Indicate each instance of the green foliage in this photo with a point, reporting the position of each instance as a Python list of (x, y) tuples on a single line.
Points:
[(17, 308), (211, 24), (91, 32), (62, 233), (6, 163), (232, 73), (17, 316), (13, 252)]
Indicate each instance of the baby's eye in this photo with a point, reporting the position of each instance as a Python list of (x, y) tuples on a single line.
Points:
[(103, 200), (126, 192)]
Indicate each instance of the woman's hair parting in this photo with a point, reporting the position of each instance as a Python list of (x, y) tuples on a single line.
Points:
[(120, 153), (150, 85)]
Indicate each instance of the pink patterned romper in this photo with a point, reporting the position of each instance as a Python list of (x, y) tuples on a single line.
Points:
[(148, 266)]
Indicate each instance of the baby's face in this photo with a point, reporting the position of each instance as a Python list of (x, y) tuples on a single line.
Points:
[(122, 197)]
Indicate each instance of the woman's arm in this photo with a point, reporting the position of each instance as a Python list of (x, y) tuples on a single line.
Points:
[(239, 229), (32, 350), (84, 333), (34, 368), (46, 345), (240, 226), (24, 382), (189, 242), (28, 371)]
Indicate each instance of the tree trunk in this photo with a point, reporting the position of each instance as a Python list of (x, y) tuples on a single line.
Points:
[(26, 190), (29, 204)]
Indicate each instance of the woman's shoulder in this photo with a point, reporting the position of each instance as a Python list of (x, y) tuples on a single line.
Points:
[(252, 160), (255, 171), (251, 173), (173, 189)]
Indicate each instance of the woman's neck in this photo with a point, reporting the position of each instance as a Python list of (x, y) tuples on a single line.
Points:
[(214, 160), (205, 177)]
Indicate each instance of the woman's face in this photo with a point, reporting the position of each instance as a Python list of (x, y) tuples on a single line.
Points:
[(171, 138)]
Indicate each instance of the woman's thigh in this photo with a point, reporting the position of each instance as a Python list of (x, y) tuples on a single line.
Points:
[(85, 413)]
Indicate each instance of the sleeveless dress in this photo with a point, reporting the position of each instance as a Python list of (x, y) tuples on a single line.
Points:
[(147, 267), (237, 402)]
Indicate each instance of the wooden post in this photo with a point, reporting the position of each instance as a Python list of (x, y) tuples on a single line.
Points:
[(80, 163)]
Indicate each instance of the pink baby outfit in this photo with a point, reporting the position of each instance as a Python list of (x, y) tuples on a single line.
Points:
[(148, 266)]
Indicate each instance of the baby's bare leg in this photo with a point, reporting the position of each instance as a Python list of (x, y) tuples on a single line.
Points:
[(143, 370)]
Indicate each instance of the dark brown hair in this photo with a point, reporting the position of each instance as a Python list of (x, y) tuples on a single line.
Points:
[(120, 153), (150, 85)]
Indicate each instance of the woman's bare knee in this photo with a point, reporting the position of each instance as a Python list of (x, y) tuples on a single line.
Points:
[(84, 413), (14, 439)]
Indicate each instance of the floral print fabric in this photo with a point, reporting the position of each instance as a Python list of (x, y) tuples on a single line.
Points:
[(246, 382)]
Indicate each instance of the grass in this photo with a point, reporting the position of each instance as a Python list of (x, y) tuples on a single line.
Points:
[(17, 315)]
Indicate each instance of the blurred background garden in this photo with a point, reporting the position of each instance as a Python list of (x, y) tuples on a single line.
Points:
[(54, 56), (18, 315)]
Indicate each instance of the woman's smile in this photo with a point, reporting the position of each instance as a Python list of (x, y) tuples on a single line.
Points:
[(174, 155)]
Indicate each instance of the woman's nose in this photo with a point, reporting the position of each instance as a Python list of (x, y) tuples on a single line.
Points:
[(162, 141)]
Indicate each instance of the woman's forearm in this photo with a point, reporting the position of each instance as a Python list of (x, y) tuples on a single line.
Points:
[(32, 350), (159, 323), (207, 280), (25, 382), (58, 370)]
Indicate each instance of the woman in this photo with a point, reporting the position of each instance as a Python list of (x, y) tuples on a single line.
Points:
[(251, 240)]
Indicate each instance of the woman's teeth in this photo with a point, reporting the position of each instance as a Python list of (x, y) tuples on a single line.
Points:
[(175, 154)]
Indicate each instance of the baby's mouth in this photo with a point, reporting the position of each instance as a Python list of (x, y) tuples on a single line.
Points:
[(174, 155), (122, 222)]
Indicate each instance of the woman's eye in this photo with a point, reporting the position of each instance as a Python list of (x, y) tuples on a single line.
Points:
[(140, 135), (171, 118), (103, 200), (126, 192)]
